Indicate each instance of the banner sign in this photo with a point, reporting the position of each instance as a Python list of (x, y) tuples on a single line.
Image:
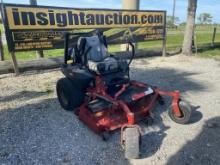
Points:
[(43, 27)]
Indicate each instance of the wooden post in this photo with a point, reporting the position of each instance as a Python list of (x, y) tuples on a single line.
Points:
[(15, 64), (2, 58), (213, 37), (164, 49), (130, 5), (39, 53)]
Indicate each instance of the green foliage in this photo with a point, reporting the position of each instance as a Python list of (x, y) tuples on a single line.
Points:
[(210, 53), (170, 20), (1, 27), (204, 18), (183, 24)]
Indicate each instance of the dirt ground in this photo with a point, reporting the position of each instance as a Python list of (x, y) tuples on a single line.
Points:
[(34, 129)]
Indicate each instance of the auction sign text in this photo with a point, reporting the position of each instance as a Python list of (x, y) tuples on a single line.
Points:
[(43, 27)]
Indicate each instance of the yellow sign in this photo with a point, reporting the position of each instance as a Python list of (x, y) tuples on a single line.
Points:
[(59, 18), (44, 27)]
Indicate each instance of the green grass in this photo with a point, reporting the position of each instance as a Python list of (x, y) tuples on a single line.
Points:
[(1, 27), (174, 42), (210, 53), (32, 54)]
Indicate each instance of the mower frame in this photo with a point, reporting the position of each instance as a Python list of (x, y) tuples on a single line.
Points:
[(108, 123), (121, 114)]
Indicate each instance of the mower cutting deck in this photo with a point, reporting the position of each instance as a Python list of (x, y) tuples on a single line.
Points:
[(97, 87)]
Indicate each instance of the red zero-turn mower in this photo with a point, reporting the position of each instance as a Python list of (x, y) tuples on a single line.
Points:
[(98, 89)]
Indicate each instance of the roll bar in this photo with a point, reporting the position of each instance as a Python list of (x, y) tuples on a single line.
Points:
[(132, 52)]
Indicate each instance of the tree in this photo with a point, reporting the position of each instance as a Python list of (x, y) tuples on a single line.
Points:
[(183, 24), (189, 31), (204, 18), (170, 20)]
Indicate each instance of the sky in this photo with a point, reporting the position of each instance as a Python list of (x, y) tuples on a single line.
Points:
[(209, 6)]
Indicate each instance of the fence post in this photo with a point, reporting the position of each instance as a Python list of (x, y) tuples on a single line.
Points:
[(164, 49), (213, 37), (15, 64), (2, 57)]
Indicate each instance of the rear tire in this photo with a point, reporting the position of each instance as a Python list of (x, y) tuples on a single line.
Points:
[(186, 111), (69, 96), (132, 143)]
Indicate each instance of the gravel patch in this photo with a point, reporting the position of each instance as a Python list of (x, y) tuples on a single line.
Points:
[(34, 129)]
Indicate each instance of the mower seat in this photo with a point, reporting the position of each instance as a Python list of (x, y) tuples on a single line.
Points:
[(113, 70), (98, 58), (98, 51)]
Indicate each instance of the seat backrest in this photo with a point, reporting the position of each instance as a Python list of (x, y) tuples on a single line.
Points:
[(98, 49)]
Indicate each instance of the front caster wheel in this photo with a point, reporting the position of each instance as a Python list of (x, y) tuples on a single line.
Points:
[(132, 143), (186, 111)]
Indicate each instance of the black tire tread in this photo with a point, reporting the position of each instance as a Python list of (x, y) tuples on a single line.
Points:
[(74, 95), (186, 111)]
